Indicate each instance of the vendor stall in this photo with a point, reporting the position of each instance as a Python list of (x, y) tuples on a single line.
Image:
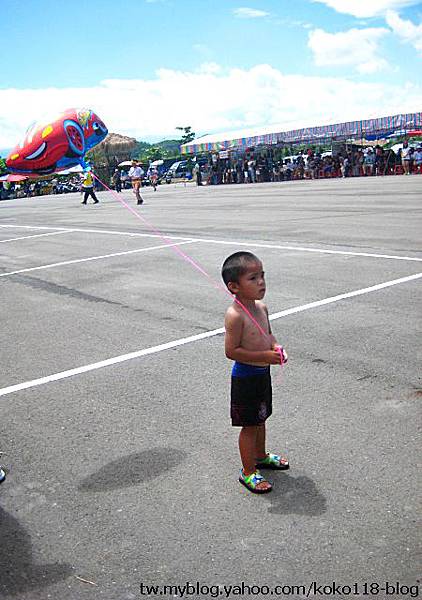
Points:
[(370, 128)]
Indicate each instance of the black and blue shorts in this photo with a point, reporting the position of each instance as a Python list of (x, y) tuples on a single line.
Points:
[(251, 395)]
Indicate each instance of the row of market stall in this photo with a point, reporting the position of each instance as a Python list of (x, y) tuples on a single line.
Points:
[(327, 150), (371, 129)]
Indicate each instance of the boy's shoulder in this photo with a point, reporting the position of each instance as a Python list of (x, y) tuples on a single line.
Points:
[(261, 306), (234, 311)]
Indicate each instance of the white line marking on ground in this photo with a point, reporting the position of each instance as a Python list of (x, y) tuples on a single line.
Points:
[(81, 260), (372, 288), (193, 338), (302, 249), (33, 227), (252, 243), (37, 235), (110, 361), (106, 231)]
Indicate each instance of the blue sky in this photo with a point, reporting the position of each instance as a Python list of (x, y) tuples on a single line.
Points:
[(147, 66)]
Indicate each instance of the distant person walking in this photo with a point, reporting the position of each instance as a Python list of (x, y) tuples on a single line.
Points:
[(135, 174), (197, 173), (153, 177), (88, 187), (406, 157), (117, 180)]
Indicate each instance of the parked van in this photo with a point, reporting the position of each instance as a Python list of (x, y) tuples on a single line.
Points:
[(178, 168)]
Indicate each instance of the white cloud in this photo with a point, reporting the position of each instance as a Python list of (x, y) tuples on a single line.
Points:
[(293, 23), (406, 30), (210, 101), (249, 13), (366, 8), (356, 48), (209, 68)]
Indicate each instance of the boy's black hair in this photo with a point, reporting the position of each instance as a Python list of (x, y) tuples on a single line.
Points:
[(236, 265)]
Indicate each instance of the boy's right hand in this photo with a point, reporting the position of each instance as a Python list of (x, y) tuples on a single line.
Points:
[(272, 357)]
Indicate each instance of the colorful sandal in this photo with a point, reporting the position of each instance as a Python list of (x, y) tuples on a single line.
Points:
[(252, 481), (273, 461)]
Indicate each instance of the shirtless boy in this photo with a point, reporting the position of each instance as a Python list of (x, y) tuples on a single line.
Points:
[(251, 344)]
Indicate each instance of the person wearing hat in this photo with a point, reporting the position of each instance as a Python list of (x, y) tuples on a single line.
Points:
[(135, 173), (88, 186)]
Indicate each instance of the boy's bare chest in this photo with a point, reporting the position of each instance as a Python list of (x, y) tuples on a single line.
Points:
[(251, 334)]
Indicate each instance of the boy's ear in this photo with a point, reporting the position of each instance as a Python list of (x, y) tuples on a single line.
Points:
[(233, 287)]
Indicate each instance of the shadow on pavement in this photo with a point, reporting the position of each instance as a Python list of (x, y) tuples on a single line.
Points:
[(18, 573), (296, 495), (132, 470)]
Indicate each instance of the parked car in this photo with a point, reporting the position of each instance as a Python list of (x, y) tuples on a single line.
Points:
[(178, 168), (167, 177)]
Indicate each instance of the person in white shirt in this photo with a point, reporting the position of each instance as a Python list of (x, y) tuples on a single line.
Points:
[(135, 173), (406, 157)]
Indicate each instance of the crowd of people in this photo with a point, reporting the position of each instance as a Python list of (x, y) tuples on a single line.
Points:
[(359, 162), (120, 179), (251, 167), (31, 187)]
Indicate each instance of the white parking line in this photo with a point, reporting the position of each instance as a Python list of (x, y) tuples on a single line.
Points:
[(302, 249), (81, 260), (193, 338), (250, 244), (106, 231), (372, 288), (9, 225), (37, 235)]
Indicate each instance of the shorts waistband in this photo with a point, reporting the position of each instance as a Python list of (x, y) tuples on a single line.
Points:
[(244, 370)]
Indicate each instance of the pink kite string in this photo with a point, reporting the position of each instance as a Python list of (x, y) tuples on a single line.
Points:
[(188, 259)]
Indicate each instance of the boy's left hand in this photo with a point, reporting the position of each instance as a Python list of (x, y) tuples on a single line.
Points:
[(282, 352)]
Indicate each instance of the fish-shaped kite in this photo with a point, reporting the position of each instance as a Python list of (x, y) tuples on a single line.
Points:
[(57, 145)]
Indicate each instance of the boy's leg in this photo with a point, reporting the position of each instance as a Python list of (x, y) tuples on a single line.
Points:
[(264, 460), (261, 452), (248, 450)]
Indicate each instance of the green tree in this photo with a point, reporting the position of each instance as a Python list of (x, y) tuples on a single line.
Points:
[(3, 167), (171, 148), (140, 150), (154, 153), (188, 134)]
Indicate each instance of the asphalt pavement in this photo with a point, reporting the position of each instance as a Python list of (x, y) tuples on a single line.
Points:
[(121, 461)]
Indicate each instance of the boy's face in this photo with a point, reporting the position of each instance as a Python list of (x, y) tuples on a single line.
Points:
[(251, 285)]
